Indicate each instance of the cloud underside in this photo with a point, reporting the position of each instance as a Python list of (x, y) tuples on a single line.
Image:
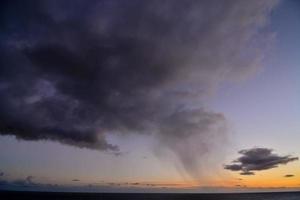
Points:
[(258, 159), (75, 72)]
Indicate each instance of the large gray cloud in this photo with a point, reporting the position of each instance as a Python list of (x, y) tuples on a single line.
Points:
[(258, 159), (75, 71)]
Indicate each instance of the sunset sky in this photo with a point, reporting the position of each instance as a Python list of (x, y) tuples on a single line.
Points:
[(155, 96)]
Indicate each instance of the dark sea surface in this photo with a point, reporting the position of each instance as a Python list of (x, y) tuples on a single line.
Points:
[(139, 196)]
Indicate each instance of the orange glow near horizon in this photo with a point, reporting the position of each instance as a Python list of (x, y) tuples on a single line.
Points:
[(273, 178)]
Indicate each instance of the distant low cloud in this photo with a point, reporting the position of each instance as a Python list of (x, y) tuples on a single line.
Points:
[(19, 183), (138, 184), (240, 185), (258, 159), (289, 175), (1, 173), (75, 180), (29, 179), (27, 184)]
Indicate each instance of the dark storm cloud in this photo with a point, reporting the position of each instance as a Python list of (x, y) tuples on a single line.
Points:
[(289, 175), (257, 159), (75, 71)]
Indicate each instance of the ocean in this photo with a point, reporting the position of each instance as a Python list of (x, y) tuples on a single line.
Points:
[(146, 196)]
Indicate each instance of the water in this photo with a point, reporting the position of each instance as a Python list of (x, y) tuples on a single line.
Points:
[(119, 196)]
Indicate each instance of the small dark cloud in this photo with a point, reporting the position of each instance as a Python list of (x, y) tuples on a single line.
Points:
[(233, 167), (29, 179), (258, 159), (289, 175), (75, 180), (247, 173), (1, 173), (150, 185), (120, 184)]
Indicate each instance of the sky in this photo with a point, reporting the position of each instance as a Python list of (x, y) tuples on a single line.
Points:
[(150, 96)]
